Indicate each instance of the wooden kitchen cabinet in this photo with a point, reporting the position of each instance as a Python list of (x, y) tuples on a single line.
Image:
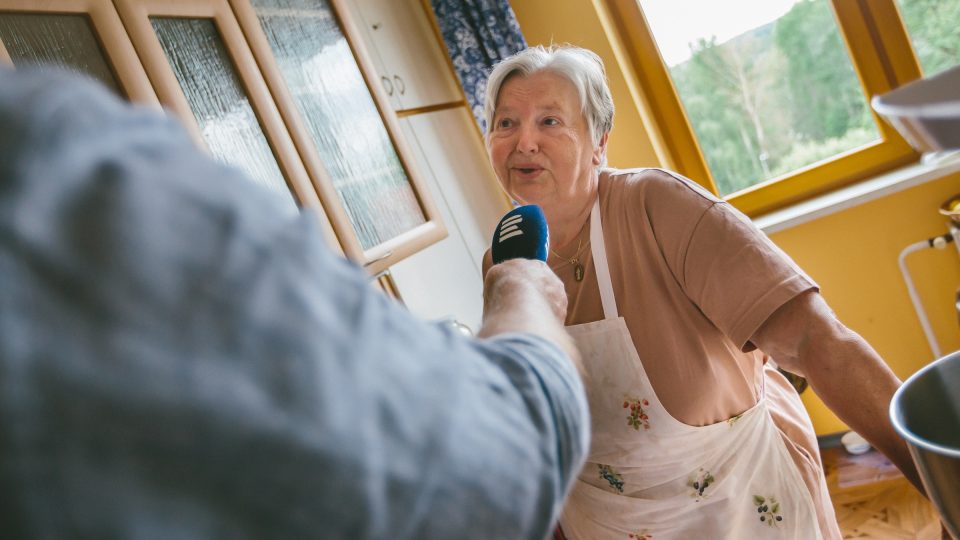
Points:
[(203, 70), (345, 131), (290, 91), (412, 70), (221, 103), (85, 36)]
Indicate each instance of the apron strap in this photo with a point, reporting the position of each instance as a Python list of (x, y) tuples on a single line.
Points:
[(600, 262)]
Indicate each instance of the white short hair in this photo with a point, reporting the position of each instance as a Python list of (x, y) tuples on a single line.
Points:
[(580, 66)]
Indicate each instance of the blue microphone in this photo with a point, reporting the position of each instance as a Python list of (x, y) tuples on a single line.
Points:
[(521, 234)]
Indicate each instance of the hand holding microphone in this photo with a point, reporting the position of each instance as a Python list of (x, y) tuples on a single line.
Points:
[(521, 293), (523, 234)]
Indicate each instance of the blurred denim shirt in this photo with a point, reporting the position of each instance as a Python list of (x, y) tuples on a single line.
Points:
[(181, 356)]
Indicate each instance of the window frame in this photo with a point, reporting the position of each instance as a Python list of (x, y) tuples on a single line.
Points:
[(882, 57)]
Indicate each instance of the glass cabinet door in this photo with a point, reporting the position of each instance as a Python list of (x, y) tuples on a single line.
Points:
[(84, 36), (343, 128), (217, 99), (195, 55)]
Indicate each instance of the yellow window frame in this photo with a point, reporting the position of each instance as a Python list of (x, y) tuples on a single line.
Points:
[(882, 56)]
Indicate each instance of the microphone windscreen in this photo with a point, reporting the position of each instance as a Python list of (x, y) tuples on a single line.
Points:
[(521, 234)]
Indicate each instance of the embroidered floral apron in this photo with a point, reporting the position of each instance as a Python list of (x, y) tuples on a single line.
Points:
[(650, 476)]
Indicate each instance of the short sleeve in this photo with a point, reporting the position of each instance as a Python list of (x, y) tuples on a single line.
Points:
[(736, 275)]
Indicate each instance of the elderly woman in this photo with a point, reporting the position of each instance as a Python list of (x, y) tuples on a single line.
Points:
[(676, 301)]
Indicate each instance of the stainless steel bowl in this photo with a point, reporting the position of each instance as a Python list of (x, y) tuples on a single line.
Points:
[(926, 112), (926, 412)]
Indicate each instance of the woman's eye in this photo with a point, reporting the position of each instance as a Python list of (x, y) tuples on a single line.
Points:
[(504, 123), (551, 121)]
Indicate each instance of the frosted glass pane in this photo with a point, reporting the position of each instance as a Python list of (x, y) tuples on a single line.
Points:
[(327, 85), (66, 41), (217, 97)]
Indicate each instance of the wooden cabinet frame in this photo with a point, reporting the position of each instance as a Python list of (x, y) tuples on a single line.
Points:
[(109, 31), (387, 253), (136, 14)]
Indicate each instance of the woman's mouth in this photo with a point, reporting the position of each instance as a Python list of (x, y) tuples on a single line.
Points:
[(528, 171)]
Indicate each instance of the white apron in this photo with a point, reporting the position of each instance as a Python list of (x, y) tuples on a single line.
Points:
[(650, 477)]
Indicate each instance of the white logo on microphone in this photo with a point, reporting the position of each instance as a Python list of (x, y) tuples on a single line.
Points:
[(510, 227)]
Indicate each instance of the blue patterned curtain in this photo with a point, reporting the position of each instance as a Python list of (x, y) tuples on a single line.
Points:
[(478, 34)]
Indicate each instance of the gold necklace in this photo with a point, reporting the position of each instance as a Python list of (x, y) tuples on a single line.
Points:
[(575, 260)]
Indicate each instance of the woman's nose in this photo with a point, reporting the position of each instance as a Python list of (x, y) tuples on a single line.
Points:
[(528, 140)]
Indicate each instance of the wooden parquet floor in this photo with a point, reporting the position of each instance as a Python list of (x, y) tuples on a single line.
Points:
[(873, 501)]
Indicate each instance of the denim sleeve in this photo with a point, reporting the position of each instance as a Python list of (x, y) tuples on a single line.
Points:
[(180, 357)]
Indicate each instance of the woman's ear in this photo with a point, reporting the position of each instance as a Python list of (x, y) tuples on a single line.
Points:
[(600, 152)]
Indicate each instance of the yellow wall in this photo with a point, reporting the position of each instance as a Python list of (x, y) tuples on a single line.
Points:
[(852, 254)]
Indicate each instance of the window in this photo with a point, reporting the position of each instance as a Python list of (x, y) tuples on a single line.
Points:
[(766, 102), (932, 25)]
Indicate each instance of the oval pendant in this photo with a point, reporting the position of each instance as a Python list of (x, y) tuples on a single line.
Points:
[(578, 272)]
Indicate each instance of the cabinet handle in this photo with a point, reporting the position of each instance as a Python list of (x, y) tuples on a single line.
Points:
[(387, 85), (401, 86)]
